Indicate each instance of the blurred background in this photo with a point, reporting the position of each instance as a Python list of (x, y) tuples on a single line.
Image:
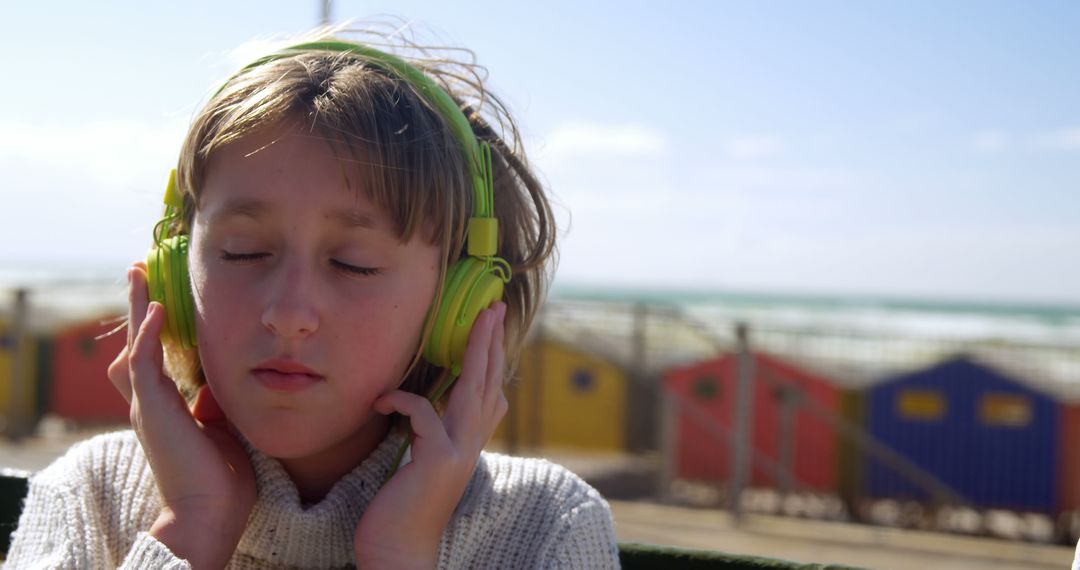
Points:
[(819, 289)]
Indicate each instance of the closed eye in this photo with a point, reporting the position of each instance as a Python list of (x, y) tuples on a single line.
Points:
[(251, 257), (367, 271), (242, 257)]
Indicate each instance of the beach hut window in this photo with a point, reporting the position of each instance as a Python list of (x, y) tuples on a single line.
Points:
[(706, 388), (582, 380), (1010, 410), (920, 405)]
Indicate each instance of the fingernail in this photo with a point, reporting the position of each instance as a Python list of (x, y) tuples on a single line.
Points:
[(129, 275)]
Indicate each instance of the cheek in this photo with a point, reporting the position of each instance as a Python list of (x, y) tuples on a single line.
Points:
[(219, 294), (220, 308), (392, 325), (416, 298), (218, 300), (388, 325)]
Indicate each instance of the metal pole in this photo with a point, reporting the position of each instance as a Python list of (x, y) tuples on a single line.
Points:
[(512, 412), (640, 431), (788, 400), (743, 401), (16, 426), (327, 8), (669, 433), (534, 424)]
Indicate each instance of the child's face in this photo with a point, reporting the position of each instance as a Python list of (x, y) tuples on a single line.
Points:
[(322, 281)]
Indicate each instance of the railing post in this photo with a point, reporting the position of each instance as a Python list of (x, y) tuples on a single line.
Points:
[(17, 425), (326, 11), (669, 433), (788, 396), (642, 394), (533, 433), (743, 402)]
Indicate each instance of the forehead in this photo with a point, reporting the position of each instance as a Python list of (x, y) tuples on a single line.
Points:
[(287, 172)]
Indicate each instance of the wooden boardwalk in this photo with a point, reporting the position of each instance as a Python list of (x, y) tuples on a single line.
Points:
[(804, 540)]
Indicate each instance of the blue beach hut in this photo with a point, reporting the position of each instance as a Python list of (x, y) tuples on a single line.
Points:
[(993, 438)]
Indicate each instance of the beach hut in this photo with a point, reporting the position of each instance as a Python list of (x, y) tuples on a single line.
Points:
[(565, 397), (997, 439), (788, 429), (7, 364), (80, 389), (1069, 475), (21, 395)]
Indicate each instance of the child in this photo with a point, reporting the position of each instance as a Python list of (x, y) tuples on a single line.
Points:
[(324, 196)]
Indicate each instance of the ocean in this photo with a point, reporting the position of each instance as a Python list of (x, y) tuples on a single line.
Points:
[(945, 319), (855, 339)]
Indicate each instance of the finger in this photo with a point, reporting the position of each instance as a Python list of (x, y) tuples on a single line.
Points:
[(145, 361), (119, 369), (496, 357), (464, 413), (118, 374), (498, 411), (501, 406), (138, 300), (474, 364), (423, 419)]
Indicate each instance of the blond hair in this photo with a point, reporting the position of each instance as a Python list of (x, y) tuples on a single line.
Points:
[(415, 167)]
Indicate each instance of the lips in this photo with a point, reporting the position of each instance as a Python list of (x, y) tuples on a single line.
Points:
[(285, 375)]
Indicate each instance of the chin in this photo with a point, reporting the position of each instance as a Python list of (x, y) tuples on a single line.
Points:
[(296, 442), (284, 443)]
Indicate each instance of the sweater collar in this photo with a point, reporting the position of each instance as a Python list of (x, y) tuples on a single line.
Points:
[(282, 531)]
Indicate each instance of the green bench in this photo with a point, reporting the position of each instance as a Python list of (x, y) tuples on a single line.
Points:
[(13, 488)]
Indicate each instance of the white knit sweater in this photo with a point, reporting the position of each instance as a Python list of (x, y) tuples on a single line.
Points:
[(93, 506)]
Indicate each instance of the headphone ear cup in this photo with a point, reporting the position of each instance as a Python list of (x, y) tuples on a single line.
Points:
[(169, 284), (470, 287)]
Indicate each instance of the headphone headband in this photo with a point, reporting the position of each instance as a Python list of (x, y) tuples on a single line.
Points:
[(477, 153)]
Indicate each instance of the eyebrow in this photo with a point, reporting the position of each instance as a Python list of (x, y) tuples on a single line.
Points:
[(240, 207), (350, 219), (256, 209)]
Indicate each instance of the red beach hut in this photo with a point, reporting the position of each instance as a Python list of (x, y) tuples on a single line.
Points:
[(80, 388), (784, 429)]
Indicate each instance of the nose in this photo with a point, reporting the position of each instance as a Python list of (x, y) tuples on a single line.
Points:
[(290, 311)]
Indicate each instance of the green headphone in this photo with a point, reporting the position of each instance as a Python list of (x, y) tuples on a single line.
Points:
[(470, 284)]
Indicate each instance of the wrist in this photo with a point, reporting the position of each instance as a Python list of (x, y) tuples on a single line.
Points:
[(198, 540), (414, 548), (407, 556)]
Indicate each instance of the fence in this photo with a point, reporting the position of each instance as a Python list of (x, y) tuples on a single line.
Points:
[(1017, 375), (756, 445)]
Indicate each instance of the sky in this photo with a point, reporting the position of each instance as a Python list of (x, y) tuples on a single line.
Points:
[(901, 149)]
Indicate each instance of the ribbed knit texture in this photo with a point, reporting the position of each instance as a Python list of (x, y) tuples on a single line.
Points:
[(92, 507)]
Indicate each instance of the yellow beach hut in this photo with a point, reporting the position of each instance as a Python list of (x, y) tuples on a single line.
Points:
[(565, 397)]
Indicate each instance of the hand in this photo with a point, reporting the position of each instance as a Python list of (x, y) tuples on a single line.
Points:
[(203, 473), (404, 523)]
